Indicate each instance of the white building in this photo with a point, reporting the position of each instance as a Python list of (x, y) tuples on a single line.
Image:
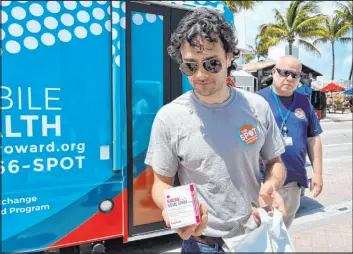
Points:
[(295, 51), (318, 83), (244, 80), (347, 84)]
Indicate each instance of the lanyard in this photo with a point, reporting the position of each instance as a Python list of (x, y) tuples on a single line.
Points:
[(284, 118)]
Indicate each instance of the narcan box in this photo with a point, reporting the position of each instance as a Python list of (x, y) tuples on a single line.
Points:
[(182, 206)]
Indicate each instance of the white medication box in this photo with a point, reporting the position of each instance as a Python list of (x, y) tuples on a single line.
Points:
[(182, 206)]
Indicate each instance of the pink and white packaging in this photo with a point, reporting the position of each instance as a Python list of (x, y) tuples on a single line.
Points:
[(182, 206)]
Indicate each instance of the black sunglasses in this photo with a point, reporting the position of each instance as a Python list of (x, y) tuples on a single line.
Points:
[(285, 73), (210, 65)]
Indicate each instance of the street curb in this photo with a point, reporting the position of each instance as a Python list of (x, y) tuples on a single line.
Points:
[(334, 120), (322, 216)]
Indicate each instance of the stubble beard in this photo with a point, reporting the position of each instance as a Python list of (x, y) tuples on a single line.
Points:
[(208, 90)]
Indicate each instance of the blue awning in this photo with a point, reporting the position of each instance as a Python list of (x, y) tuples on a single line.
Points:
[(304, 89), (349, 91)]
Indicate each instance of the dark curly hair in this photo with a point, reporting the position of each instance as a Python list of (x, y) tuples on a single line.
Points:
[(209, 24)]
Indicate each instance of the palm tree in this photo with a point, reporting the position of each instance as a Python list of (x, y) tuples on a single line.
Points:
[(334, 29), (237, 6), (345, 10), (258, 51), (301, 22), (248, 57)]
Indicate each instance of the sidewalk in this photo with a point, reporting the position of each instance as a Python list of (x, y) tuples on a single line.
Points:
[(324, 224), (333, 237)]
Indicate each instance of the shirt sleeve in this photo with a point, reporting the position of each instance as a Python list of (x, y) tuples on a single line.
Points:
[(274, 144), (314, 127), (161, 155)]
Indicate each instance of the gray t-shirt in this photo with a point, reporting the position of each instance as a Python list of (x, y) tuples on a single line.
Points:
[(217, 147)]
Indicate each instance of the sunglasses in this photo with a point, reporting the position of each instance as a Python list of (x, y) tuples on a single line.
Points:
[(285, 73), (211, 65)]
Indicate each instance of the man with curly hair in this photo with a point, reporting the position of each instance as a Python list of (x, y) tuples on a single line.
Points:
[(214, 136)]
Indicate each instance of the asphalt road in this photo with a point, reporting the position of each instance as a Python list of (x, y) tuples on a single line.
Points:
[(336, 139)]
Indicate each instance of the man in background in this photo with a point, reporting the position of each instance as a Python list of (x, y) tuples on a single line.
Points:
[(300, 127)]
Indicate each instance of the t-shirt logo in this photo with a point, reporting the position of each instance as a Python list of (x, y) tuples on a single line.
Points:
[(299, 113), (248, 134)]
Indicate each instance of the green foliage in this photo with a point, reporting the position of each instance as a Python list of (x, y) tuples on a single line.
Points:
[(237, 6), (302, 21)]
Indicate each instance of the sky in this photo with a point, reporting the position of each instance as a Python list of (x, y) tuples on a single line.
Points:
[(247, 23)]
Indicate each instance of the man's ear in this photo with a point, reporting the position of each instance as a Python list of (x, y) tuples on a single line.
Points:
[(229, 59), (273, 72)]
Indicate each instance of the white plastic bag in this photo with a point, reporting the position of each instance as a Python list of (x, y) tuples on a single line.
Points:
[(270, 236)]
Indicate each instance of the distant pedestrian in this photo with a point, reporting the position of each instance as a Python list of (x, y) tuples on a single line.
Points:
[(300, 127)]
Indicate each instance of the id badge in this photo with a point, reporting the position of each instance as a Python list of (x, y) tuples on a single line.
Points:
[(288, 141)]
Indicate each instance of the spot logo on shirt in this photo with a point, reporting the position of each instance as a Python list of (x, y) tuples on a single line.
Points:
[(248, 134), (299, 113)]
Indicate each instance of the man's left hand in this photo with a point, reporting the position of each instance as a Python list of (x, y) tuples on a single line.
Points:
[(269, 196), (204, 221), (316, 184)]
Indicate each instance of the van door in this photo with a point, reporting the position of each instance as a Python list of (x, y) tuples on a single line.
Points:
[(151, 77)]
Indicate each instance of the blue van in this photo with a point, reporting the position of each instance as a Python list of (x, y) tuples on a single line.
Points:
[(81, 84)]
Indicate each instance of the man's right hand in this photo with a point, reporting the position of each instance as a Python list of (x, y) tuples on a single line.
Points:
[(256, 216), (194, 230), (269, 196)]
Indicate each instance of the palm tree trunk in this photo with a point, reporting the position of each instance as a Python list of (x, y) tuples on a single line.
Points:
[(290, 47), (333, 61), (350, 74)]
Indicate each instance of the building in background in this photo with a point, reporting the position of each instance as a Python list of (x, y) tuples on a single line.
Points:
[(263, 72), (318, 83), (295, 51), (347, 84), (244, 80)]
